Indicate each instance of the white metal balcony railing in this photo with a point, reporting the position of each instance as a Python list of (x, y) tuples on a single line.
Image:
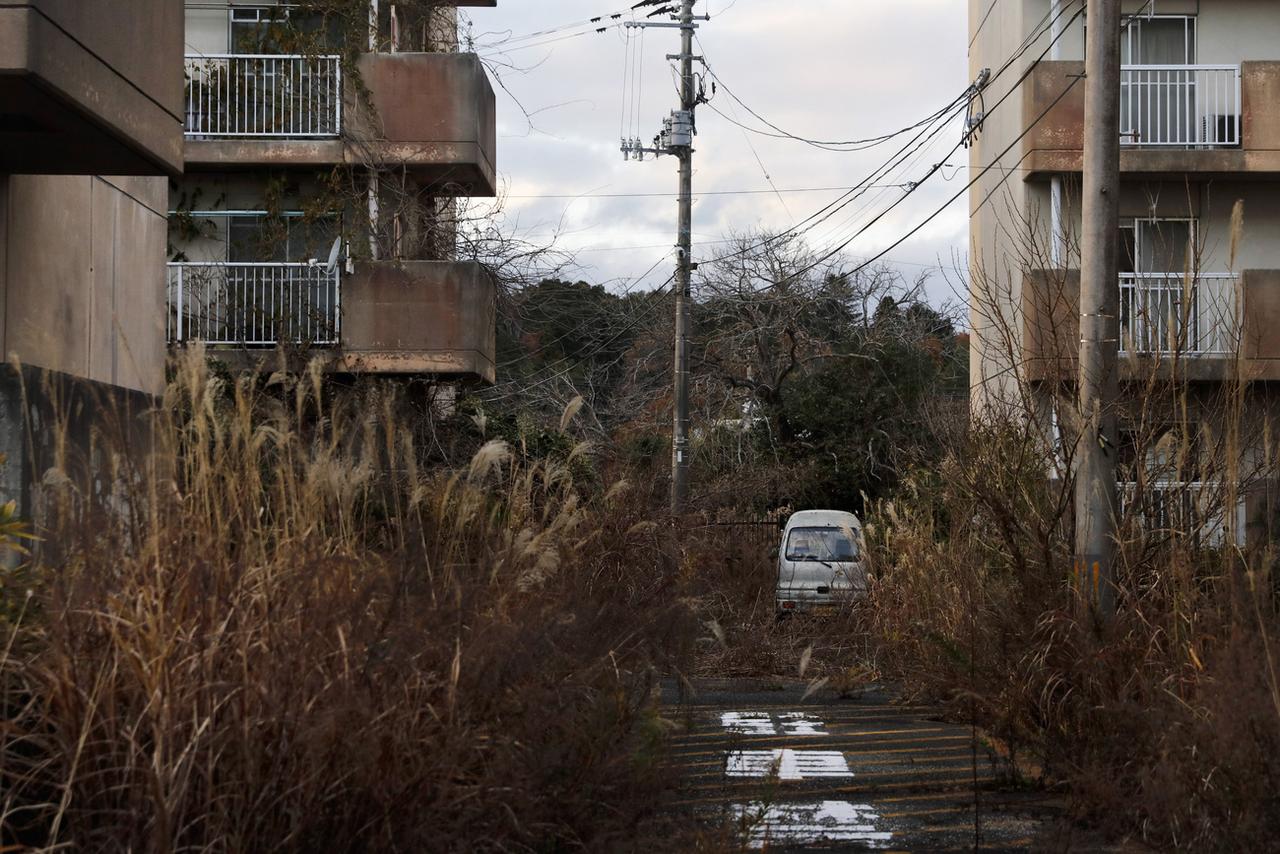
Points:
[(1194, 509), (1167, 313), (262, 96), (253, 304), (1190, 106)]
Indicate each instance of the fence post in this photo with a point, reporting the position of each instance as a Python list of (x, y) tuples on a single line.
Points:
[(181, 284)]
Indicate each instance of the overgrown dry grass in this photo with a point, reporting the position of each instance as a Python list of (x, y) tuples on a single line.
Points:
[(1162, 725), (276, 632), (731, 573)]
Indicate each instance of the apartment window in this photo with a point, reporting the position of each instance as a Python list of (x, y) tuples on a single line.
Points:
[(1158, 311), (1159, 40), (1162, 452), (1157, 246), (251, 29), (293, 238), (259, 30)]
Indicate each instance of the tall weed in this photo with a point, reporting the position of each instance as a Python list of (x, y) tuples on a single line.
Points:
[(282, 632)]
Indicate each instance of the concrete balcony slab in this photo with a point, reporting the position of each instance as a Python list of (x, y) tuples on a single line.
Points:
[(78, 97), (419, 317), (1049, 315), (433, 114), (1055, 144)]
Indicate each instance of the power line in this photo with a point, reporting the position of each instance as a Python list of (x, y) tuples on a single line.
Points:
[(827, 211), (827, 145), (969, 185), (1014, 88), (768, 192)]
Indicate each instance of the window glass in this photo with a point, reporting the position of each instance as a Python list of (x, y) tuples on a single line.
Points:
[(257, 240), (1164, 245), (291, 238), (830, 544), (1159, 41)]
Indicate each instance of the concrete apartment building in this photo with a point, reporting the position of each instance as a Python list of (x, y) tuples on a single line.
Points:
[(304, 133), (90, 132), (1200, 135)]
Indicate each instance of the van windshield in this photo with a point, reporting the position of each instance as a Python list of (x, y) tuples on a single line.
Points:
[(832, 544)]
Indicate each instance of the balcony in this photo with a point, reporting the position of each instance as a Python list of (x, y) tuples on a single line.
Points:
[(432, 114), (1198, 120), (253, 305), (1195, 510), (1180, 106), (388, 317), (1166, 313), (263, 97), (1215, 328), (420, 317), (82, 93)]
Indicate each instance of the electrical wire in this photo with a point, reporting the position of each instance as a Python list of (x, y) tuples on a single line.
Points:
[(826, 145), (1014, 88), (827, 211), (626, 292), (844, 244), (696, 195)]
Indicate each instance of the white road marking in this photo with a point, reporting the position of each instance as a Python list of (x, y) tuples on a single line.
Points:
[(831, 821), (748, 723), (788, 764), (762, 723), (799, 723)]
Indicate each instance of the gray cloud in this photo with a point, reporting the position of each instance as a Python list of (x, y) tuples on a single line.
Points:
[(830, 69)]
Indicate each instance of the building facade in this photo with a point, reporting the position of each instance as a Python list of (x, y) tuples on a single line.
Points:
[(1199, 287), (326, 149), (90, 133)]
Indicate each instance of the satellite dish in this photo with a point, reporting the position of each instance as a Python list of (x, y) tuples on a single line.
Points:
[(334, 253)]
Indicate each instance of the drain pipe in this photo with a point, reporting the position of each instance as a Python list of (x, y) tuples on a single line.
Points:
[(1056, 237)]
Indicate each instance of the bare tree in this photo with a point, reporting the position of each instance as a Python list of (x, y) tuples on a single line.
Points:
[(766, 308)]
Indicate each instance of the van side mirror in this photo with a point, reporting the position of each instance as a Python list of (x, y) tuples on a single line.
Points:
[(773, 553)]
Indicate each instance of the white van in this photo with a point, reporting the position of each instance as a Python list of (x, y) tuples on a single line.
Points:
[(820, 561)]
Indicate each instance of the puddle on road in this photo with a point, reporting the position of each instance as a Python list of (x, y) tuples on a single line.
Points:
[(762, 723), (799, 824), (788, 764)]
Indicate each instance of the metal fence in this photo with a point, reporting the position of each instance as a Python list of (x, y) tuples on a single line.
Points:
[(762, 535), (253, 304), (263, 96), (1192, 509), (1185, 106), (1164, 313)]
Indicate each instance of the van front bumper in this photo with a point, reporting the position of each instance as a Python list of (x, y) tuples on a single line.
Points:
[(809, 601)]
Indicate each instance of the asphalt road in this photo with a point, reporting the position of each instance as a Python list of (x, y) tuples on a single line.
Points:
[(848, 774)]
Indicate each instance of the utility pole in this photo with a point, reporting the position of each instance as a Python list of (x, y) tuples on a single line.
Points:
[(1095, 487), (677, 139)]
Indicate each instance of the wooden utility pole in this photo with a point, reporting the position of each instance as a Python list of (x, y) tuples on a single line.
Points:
[(677, 139), (684, 267), (1095, 486)]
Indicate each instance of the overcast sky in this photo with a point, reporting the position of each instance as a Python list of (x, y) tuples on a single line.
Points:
[(824, 69)]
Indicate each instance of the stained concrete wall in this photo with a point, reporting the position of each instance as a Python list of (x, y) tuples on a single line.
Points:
[(83, 277), (1055, 142), (432, 114), (419, 317), (89, 86), (996, 279)]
